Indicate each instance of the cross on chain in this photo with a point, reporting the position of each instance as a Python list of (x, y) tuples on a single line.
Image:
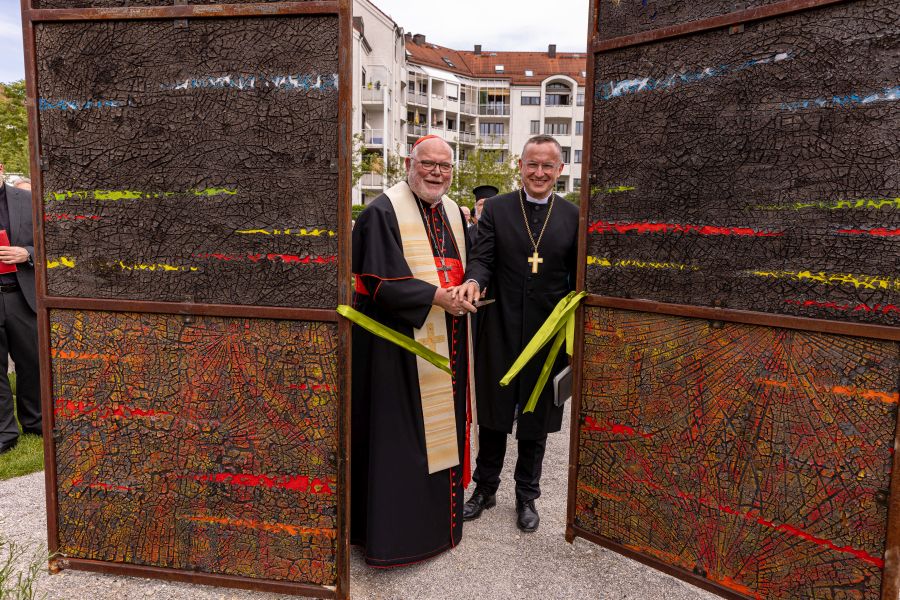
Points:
[(444, 268), (535, 260), (432, 340)]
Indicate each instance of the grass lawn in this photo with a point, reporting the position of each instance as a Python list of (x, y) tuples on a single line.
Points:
[(27, 457)]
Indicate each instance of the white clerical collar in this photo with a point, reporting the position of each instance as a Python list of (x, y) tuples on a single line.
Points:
[(534, 200)]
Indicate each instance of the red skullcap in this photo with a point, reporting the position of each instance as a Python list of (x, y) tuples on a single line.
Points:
[(426, 137)]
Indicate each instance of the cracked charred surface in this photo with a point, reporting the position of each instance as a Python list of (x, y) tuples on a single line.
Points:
[(191, 164), (756, 171)]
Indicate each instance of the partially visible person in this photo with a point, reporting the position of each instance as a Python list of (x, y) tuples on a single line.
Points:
[(18, 321), (408, 472), (23, 183), (481, 193), (525, 254)]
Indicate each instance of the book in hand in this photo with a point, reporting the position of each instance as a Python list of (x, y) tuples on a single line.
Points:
[(562, 386), (4, 241)]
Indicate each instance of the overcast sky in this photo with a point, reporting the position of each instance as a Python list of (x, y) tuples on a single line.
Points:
[(529, 25)]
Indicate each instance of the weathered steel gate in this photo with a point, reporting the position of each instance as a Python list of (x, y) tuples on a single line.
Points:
[(191, 165), (738, 364)]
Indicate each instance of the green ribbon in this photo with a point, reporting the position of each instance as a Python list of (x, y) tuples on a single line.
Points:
[(561, 324), (395, 337)]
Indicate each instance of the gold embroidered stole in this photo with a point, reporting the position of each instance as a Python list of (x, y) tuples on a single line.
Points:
[(435, 386)]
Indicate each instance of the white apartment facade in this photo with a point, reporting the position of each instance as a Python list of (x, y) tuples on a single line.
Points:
[(493, 99)]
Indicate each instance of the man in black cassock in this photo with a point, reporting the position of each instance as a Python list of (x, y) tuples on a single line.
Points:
[(402, 509), (525, 255)]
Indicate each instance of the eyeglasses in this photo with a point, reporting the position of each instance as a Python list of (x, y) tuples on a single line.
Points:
[(532, 167), (429, 165)]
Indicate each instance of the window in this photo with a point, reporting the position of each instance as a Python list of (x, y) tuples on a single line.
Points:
[(529, 73), (558, 94), (576, 185), (451, 123), (578, 157), (448, 61), (535, 127), (579, 127), (531, 99), (560, 185), (498, 68), (491, 129), (579, 99), (556, 128), (566, 154)]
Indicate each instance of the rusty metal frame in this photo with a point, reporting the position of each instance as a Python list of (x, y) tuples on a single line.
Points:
[(343, 10), (890, 588), (727, 20)]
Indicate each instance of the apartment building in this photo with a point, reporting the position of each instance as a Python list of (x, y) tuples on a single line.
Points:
[(496, 100)]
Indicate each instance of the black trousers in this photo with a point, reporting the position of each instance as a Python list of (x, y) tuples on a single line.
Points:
[(18, 338), (491, 452)]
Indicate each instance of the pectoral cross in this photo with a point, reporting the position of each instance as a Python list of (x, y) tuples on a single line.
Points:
[(535, 260), (432, 340), (445, 269)]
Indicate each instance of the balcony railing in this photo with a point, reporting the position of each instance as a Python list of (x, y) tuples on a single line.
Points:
[(469, 108), (372, 180), (494, 141), (416, 98), (417, 130), (494, 110), (372, 95), (466, 137), (374, 137)]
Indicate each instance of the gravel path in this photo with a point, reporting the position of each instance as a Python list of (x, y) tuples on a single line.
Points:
[(494, 562)]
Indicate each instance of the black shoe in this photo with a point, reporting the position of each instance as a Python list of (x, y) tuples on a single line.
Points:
[(478, 503), (528, 518), (7, 446), (33, 431)]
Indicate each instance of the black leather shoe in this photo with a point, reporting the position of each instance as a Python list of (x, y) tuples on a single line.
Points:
[(7, 446), (528, 518), (478, 503), (33, 431)]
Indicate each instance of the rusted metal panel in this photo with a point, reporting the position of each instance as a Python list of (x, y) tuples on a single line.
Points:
[(753, 171), (157, 131), (758, 458), (737, 357)]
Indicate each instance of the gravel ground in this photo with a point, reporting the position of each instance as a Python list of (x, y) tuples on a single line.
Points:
[(495, 561)]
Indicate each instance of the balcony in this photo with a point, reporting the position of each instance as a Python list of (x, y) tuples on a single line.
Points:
[(373, 137), (494, 110), (416, 98), (468, 108), (563, 111), (372, 180), (495, 141), (372, 95), (416, 130), (466, 137)]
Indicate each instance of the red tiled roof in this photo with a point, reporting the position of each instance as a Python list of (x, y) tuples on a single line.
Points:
[(469, 64)]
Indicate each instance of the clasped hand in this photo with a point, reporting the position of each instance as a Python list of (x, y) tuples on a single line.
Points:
[(457, 300)]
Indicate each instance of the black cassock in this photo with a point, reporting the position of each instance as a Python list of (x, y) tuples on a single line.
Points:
[(499, 260), (399, 512)]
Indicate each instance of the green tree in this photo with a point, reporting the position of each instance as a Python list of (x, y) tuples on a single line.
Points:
[(483, 167), (13, 128)]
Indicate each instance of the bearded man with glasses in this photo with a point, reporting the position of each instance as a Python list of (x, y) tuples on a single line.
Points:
[(524, 255), (408, 471)]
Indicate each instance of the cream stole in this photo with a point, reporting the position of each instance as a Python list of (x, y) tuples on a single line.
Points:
[(435, 386)]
